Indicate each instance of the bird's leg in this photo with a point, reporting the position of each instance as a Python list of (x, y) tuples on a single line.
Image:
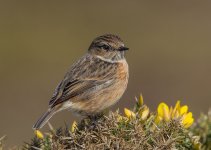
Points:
[(95, 118)]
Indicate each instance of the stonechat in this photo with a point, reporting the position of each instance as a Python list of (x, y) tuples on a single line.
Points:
[(94, 83)]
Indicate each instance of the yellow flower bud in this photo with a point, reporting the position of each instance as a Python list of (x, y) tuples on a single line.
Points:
[(145, 113), (129, 113), (74, 126), (196, 144), (38, 134), (141, 100)]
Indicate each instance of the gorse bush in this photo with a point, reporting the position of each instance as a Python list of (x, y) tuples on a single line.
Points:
[(168, 128), (109, 133), (202, 128)]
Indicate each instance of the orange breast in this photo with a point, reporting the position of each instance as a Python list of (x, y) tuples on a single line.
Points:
[(122, 70)]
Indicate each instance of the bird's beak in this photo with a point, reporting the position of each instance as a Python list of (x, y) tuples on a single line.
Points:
[(123, 49)]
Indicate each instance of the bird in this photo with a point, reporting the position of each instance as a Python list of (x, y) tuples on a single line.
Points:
[(93, 83)]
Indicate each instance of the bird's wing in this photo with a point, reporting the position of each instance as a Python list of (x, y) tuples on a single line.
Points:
[(85, 75), (81, 87)]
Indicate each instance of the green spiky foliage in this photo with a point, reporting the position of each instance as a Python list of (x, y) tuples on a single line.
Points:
[(202, 128)]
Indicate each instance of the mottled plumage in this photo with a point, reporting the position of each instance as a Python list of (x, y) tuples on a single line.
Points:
[(95, 82)]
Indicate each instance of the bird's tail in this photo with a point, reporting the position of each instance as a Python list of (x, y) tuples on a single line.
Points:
[(43, 119)]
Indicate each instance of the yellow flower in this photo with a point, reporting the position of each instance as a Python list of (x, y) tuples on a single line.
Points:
[(129, 113), (175, 110), (74, 126), (183, 110), (187, 120), (177, 106), (144, 114), (163, 111), (178, 112), (38, 134)]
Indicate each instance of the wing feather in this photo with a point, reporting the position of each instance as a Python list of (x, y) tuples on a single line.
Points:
[(82, 77)]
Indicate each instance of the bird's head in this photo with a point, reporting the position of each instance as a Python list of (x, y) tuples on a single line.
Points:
[(109, 47)]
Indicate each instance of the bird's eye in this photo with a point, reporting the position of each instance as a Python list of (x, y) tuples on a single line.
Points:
[(105, 47)]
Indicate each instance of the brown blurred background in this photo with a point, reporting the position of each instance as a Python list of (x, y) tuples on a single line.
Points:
[(169, 57)]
